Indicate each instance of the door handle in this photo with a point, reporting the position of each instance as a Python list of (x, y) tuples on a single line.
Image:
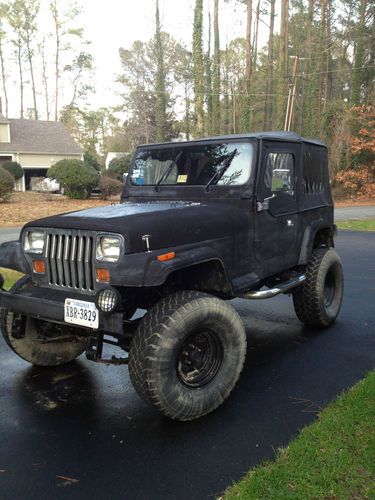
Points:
[(290, 223), (264, 205)]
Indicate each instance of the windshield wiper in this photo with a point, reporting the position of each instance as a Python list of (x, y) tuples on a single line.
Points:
[(168, 171), (218, 175)]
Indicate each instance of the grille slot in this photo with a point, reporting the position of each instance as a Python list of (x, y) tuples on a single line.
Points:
[(69, 258)]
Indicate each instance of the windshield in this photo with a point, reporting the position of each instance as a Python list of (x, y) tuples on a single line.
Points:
[(198, 165)]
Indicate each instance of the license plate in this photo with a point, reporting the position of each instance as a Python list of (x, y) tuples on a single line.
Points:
[(80, 312)]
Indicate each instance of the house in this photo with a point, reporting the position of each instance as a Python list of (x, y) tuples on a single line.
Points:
[(36, 145), (111, 155)]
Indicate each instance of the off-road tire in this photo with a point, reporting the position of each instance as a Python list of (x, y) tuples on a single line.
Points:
[(318, 300), (29, 346), (155, 354)]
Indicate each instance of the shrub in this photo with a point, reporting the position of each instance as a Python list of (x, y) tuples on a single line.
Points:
[(6, 184), (76, 177), (109, 186), (92, 161), (118, 166), (359, 183), (14, 168)]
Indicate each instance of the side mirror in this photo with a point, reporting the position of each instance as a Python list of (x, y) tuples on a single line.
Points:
[(265, 204)]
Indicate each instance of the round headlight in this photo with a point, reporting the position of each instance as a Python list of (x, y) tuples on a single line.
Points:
[(108, 299), (108, 248), (34, 242)]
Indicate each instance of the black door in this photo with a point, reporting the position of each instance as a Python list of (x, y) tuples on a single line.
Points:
[(276, 217)]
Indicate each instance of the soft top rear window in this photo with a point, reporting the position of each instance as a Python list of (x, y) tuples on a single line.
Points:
[(201, 164)]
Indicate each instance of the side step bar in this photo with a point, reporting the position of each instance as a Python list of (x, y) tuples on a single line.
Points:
[(272, 292)]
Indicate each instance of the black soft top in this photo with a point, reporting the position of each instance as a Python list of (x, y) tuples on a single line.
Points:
[(277, 136)]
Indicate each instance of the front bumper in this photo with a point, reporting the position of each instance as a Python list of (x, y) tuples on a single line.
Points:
[(49, 305)]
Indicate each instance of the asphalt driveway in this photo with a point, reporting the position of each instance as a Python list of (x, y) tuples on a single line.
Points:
[(82, 432)]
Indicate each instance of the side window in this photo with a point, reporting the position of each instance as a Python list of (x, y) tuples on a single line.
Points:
[(279, 174), (314, 160)]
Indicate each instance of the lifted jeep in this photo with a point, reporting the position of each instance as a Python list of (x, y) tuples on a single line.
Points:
[(199, 223)]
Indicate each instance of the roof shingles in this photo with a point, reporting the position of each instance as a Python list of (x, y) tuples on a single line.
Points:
[(39, 136)]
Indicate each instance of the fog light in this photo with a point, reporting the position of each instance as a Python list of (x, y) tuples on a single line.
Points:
[(108, 299)]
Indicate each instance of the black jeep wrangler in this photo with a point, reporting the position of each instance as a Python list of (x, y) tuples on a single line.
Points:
[(199, 223)]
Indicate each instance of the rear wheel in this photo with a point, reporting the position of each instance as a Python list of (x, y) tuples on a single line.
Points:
[(39, 342), (187, 354), (317, 301)]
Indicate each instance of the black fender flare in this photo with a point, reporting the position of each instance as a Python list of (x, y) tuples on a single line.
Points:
[(12, 257), (309, 237), (145, 270), (185, 259)]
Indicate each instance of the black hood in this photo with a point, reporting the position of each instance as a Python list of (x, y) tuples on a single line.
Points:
[(169, 223)]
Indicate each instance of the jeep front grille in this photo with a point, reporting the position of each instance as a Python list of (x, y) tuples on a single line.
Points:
[(69, 258)]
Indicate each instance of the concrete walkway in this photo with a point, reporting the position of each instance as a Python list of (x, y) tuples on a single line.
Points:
[(352, 213)]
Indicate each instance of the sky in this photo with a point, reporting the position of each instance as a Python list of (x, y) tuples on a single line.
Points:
[(111, 24)]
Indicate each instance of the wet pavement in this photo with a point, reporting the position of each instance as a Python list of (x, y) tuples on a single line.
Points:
[(82, 432)]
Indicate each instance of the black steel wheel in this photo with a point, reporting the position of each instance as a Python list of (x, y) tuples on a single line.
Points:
[(199, 358), (187, 354), (39, 342), (317, 301)]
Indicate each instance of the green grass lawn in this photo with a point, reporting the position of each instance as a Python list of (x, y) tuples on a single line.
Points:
[(357, 225), (332, 458), (10, 277)]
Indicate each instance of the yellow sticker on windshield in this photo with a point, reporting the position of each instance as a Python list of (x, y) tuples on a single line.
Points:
[(182, 179)]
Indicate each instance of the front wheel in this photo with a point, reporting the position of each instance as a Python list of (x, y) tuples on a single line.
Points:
[(187, 354), (317, 301)]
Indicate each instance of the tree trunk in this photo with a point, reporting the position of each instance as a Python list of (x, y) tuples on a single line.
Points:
[(187, 112), (322, 53), (160, 81), (208, 82), (30, 60), (55, 15), (246, 104), (268, 122), (248, 45), (226, 121), (4, 78), (216, 73), (19, 56), (359, 54), (198, 67), (283, 65), (44, 77), (255, 48)]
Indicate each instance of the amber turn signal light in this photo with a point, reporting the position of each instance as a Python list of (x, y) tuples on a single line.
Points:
[(39, 266), (102, 275), (166, 256)]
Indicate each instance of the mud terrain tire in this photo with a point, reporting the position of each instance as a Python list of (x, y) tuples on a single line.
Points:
[(318, 300), (187, 354)]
